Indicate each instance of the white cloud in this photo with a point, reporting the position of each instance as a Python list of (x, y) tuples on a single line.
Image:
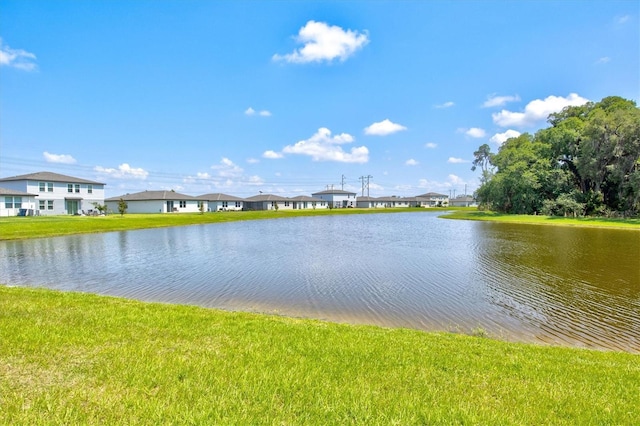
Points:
[(227, 168), (475, 132), (431, 145), (536, 111), (255, 180), (623, 19), (603, 60), (16, 58), (272, 155), (494, 101), (124, 171), (383, 128), (455, 160), (250, 111), (322, 146), (324, 43), (501, 138), (411, 162), (455, 180), (448, 104), (201, 175), (58, 158), (252, 160)]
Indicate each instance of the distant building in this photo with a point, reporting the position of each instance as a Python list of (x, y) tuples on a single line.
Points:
[(303, 202), (221, 202), (463, 201), (337, 198), (155, 202), (57, 194), (267, 202), (432, 199)]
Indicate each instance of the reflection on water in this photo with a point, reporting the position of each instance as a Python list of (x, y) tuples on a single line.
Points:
[(556, 285)]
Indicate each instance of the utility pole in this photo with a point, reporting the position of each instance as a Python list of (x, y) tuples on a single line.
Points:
[(365, 185), (343, 177)]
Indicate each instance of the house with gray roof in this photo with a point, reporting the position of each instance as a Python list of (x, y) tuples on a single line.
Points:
[(337, 198), (433, 199), (156, 202), (267, 202), (17, 203), (303, 202), (221, 202), (57, 194), (463, 201)]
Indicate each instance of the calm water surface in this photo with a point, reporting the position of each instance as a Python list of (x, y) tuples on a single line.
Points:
[(557, 285)]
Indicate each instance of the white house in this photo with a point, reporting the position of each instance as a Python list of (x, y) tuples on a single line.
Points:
[(156, 202), (433, 199), (221, 202), (337, 198), (17, 203), (463, 201), (303, 202), (267, 202), (57, 194)]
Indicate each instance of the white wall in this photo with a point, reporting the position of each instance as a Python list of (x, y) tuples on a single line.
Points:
[(58, 195)]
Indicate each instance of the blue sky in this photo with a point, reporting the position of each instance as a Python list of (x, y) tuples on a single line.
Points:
[(287, 97)]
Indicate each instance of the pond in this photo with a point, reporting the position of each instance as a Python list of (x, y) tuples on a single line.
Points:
[(545, 284)]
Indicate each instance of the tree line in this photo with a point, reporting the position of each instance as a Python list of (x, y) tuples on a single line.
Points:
[(587, 163)]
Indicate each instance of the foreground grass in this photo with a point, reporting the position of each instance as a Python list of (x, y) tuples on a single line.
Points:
[(14, 228), (598, 222), (69, 358)]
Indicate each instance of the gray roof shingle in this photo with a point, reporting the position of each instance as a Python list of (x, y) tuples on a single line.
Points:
[(152, 196), (49, 177)]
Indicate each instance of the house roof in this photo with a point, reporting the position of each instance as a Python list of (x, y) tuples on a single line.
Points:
[(153, 196), (265, 197), (218, 197), (306, 198), (50, 177), (6, 191), (391, 199), (334, 192), (430, 195)]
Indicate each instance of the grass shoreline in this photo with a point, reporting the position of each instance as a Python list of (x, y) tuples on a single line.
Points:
[(585, 222), (18, 228), (73, 358)]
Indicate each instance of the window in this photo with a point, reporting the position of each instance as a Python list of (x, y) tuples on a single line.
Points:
[(70, 187), (237, 203), (225, 204), (183, 204), (90, 189), (49, 186), (41, 186), (41, 204), (17, 202), (8, 202), (77, 187), (286, 204), (49, 204), (200, 204)]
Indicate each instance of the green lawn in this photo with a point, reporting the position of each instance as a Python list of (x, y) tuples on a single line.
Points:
[(600, 222), (12, 228), (70, 358)]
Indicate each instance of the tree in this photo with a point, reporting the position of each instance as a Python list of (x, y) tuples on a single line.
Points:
[(122, 207), (483, 158), (586, 162)]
